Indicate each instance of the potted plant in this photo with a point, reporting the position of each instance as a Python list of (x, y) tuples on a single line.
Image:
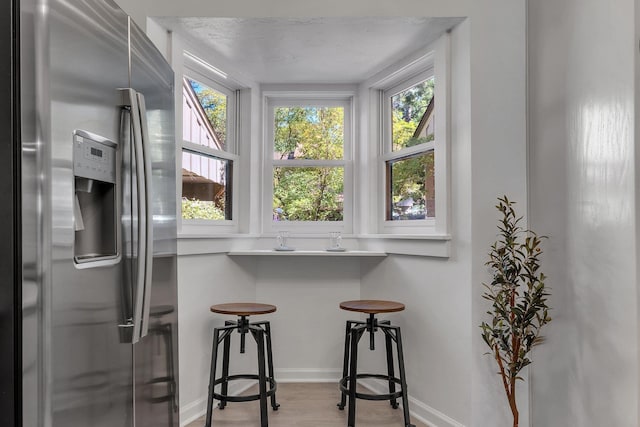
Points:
[(518, 299)]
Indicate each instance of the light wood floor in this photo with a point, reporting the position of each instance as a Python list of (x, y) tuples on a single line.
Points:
[(308, 405)]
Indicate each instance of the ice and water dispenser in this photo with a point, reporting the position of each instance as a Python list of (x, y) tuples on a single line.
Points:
[(96, 217)]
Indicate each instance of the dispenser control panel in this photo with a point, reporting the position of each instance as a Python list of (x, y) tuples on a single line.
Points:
[(94, 157)]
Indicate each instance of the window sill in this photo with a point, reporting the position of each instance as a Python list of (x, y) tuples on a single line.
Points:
[(203, 236), (427, 245), (406, 236), (200, 244), (438, 246), (272, 252)]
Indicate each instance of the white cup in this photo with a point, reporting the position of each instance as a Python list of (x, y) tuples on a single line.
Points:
[(282, 239), (335, 240)]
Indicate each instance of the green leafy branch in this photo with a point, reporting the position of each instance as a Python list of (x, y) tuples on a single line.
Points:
[(518, 297)]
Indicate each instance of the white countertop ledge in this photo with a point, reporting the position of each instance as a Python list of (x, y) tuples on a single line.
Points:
[(406, 236), (272, 252)]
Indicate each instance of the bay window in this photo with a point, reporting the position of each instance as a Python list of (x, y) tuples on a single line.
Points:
[(208, 148), (307, 164), (414, 148)]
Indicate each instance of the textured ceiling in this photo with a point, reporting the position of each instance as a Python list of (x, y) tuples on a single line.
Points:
[(310, 50)]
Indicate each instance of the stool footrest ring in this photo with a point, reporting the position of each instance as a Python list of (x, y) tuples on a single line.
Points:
[(227, 398), (367, 396)]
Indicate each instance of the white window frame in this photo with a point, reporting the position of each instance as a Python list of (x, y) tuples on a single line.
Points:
[(200, 71), (307, 99), (435, 63)]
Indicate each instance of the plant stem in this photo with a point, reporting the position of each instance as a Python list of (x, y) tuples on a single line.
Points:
[(502, 372), (515, 351), (514, 410), (509, 387)]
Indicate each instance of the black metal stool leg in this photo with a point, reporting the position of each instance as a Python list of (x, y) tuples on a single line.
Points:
[(225, 370), (267, 330), (390, 370), (258, 334), (243, 325), (372, 326), (345, 364), (212, 376), (170, 367), (356, 334), (403, 379)]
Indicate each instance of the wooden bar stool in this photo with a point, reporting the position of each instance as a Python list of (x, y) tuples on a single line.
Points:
[(354, 331), (261, 332)]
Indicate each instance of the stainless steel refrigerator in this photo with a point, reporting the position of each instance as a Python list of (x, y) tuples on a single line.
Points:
[(99, 297)]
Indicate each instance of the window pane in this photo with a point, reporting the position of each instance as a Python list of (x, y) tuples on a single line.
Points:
[(411, 188), (412, 116), (206, 187), (204, 119), (309, 133), (308, 194)]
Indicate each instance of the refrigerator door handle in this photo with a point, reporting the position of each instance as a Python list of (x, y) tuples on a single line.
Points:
[(148, 221), (130, 99)]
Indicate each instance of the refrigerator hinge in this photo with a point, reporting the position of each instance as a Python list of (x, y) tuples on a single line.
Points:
[(125, 330), (125, 96)]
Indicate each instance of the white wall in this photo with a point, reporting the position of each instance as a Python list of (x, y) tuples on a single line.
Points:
[(308, 328), (204, 280), (582, 175), (291, 8), (137, 9), (436, 324), (489, 132), (498, 167), (207, 279), (444, 304)]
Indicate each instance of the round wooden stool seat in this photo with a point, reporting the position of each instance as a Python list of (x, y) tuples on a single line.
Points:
[(372, 306), (243, 308)]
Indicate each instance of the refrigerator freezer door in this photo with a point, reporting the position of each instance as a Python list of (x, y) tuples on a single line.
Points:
[(88, 369), (156, 354)]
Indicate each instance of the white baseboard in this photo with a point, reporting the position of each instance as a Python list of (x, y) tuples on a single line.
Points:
[(419, 410), (308, 375), (197, 408), (192, 411)]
